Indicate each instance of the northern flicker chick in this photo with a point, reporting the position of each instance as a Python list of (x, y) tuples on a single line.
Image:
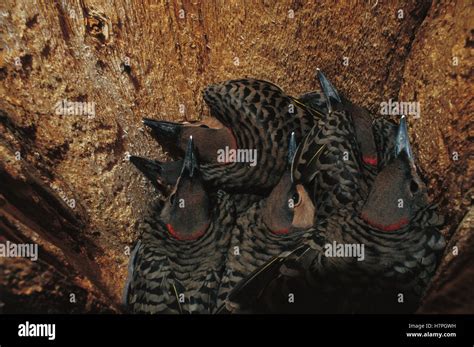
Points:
[(178, 263)]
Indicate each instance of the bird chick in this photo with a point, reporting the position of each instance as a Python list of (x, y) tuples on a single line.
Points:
[(177, 264)]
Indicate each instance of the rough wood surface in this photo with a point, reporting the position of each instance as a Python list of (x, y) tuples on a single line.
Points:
[(140, 58)]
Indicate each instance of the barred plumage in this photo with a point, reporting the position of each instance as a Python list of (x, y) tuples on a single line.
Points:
[(396, 263), (355, 182), (402, 245), (166, 269), (251, 246), (178, 263), (267, 228), (262, 117)]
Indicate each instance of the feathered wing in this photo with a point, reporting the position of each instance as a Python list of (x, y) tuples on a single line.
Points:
[(287, 283), (304, 165), (316, 101), (327, 163), (130, 272), (248, 293), (153, 287)]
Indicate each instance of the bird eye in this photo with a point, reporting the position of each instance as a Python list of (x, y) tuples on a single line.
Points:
[(413, 186), (296, 199)]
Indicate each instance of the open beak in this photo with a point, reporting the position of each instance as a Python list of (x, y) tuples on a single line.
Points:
[(402, 142), (163, 130), (292, 148), (190, 164), (150, 168), (329, 91)]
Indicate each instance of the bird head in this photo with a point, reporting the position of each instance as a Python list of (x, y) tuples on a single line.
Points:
[(361, 117), (288, 206), (209, 135), (186, 211), (398, 193)]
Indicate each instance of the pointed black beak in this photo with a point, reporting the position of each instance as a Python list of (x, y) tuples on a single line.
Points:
[(190, 165), (150, 168), (292, 148), (164, 131), (402, 142), (329, 91)]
